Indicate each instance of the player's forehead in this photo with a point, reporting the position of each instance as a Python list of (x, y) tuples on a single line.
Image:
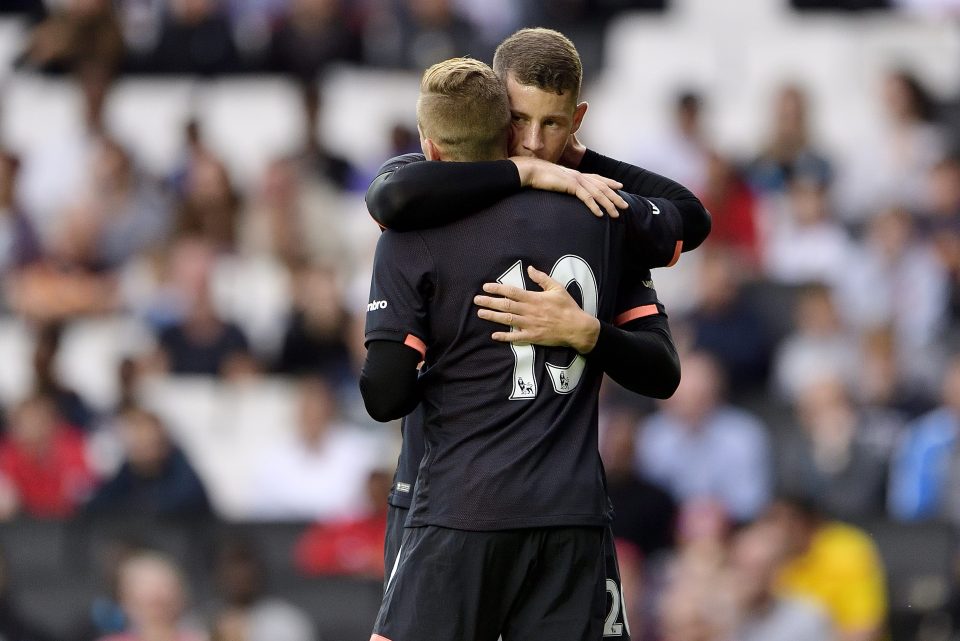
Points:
[(534, 101)]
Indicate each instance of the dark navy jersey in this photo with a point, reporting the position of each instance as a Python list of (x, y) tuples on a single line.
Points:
[(510, 431), (636, 298)]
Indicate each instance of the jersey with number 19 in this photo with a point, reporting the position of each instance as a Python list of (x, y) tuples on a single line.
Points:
[(510, 430)]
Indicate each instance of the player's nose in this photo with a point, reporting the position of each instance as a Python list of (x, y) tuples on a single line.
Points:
[(532, 139)]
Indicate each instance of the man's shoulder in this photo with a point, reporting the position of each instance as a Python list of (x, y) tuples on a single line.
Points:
[(400, 161)]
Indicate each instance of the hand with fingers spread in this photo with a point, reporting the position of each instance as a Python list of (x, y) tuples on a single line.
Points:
[(597, 192), (549, 318)]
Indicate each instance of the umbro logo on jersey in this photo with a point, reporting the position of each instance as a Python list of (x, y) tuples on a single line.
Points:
[(656, 210), (377, 304)]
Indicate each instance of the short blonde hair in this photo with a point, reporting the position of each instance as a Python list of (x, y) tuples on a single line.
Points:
[(464, 109)]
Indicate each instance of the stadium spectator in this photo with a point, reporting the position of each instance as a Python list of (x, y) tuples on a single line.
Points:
[(819, 345), (196, 37), (244, 610), (19, 243), (734, 209), (684, 152), (763, 615), (725, 324), (34, 10), (697, 602), (891, 169), (417, 34), (789, 153), (313, 34), (894, 279), (315, 339), (833, 564), (153, 594), (882, 385), (325, 164), (294, 216), (209, 206), (698, 447), (55, 173), (802, 242), (319, 469), (43, 458), (155, 477), (104, 615), (944, 189), (69, 404), (121, 213), (942, 222), (203, 343), (350, 546), (830, 460), (646, 515), (78, 34), (923, 474)]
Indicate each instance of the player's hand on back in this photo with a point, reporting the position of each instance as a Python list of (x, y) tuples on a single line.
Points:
[(597, 192), (549, 318)]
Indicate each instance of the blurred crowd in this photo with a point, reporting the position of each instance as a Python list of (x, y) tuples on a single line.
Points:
[(820, 389), (299, 37)]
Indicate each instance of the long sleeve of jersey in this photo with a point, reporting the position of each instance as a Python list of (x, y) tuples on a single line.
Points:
[(636, 180), (410, 192), (640, 356), (388, 381)]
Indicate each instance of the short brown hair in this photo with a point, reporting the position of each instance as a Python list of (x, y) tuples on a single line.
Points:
[(541, 58), (464, 109)]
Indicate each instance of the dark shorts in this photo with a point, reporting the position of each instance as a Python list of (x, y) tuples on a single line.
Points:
[(615, 625), (526, 585), (396, 517)]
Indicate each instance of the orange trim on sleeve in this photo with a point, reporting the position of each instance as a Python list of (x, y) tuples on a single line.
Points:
[(676, 254), (635, 313), (377, 637), (417, 344)]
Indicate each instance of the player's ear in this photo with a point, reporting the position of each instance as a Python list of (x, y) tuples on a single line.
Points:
[(430, 149), (578, 114)]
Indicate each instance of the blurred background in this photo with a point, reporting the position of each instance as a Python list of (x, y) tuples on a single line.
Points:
[(185, 258)]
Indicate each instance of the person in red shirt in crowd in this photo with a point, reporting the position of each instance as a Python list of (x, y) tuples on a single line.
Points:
[(734, 208), (353, 546), (44, 461)]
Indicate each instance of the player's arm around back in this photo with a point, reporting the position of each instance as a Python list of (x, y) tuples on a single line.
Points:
[(411, 193)]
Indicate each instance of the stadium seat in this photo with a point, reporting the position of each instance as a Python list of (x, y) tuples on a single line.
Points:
[(58, 607), (148, 117), (328, 598), (255, 293), (359, 107), (36, 551), (91, 351), (920, 562), (250, 121)]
